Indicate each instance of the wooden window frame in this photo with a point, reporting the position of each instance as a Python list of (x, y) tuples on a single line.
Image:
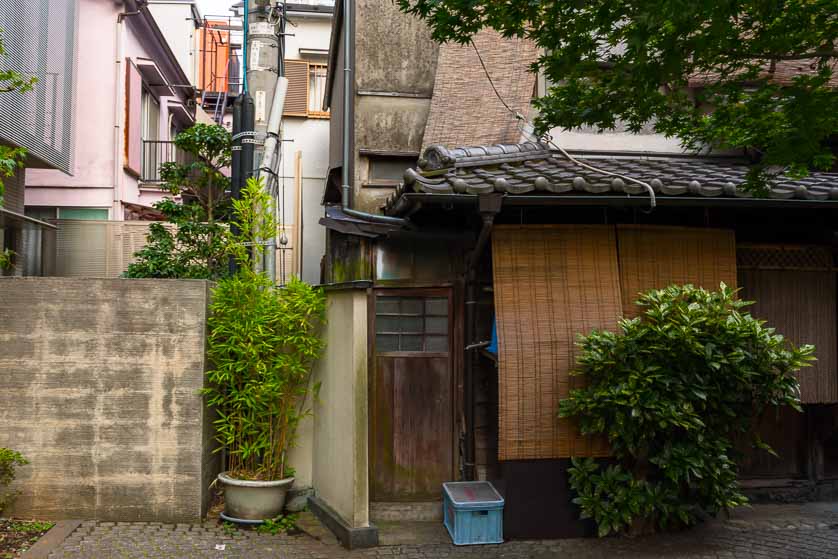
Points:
[(310, 66)]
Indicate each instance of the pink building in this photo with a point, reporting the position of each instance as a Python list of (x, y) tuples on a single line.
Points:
[(132, 97)]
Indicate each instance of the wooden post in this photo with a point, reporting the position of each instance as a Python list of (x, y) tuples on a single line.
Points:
[(297, 239)]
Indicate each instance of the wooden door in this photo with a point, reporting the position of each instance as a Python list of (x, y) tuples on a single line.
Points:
[(411, 395)]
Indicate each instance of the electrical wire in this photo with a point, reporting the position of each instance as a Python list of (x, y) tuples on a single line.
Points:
[(549, 140)]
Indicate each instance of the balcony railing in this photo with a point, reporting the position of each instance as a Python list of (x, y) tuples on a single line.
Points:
[(155, 154)]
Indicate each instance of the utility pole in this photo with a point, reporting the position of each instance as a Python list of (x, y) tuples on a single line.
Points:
[(264, 29)]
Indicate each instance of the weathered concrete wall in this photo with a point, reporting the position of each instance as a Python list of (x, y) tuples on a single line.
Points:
[(340, 463), (394, 52), (393, 88), (99, 385)]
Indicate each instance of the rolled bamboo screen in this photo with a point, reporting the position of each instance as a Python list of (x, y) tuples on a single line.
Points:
[(794, 292), (654, 257), (551, 283)]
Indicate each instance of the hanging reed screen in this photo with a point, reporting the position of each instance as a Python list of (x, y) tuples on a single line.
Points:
[(654, 257), (794, 290), (551, 283)]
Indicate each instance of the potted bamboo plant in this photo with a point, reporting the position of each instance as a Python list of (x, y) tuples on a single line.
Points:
[(262, 345)]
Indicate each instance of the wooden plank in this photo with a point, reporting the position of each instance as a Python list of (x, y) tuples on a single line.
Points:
[(785, 430), (421, 427), (801, 305), (383, 461)]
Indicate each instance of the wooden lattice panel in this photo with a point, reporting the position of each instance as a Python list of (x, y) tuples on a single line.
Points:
[(785, 257), (551, 283)]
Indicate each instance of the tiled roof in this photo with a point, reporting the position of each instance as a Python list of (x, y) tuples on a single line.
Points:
[(534, 168)]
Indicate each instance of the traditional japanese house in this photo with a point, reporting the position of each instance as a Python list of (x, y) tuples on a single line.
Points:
[(431, 247)]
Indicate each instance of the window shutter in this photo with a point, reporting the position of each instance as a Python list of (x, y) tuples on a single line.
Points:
[(133, 120), (296, 102)]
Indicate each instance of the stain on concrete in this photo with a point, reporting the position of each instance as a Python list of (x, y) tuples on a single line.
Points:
[(99, 384)]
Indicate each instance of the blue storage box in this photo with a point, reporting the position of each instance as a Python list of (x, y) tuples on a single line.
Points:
[(473, 512)]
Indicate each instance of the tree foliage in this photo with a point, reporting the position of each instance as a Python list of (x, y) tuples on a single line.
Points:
[(262, 344), (11, 158), (672, 390), (10, 460), (666, 62), (195, 244), (199, 177), (190, 247)]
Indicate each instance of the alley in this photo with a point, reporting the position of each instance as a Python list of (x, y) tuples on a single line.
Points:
[(770, 531)]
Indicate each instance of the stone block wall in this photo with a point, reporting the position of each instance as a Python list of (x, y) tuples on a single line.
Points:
[(99, 382)]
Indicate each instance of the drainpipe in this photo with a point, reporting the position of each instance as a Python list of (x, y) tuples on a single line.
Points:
[(489, 207), (348, 114), (119, 106)]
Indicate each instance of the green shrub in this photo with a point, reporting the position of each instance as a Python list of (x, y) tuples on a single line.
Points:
[(195, 248), (672, 390), (262, 344), (9, 461), (192, 249)]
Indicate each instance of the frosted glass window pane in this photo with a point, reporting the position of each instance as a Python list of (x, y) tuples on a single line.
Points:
[(387, 324), (412, 306), (436, 344), (436, 306), (412, 325), (436, 325), (411, 343), (387, 305), (386, 343)]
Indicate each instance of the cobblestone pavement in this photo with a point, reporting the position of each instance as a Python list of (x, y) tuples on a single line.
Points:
[(777, 532)]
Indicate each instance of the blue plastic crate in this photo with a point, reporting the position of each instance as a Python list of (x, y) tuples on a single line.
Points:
[(473, 512)]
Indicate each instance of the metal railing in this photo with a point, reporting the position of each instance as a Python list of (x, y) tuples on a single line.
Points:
[(155, 154)]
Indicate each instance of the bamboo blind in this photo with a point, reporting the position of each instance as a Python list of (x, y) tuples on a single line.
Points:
[(551, 283), (794, 290), (654, 257)]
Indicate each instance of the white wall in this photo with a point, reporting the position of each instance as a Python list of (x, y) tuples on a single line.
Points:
[(340, 467), (311, 138), (175, 21)]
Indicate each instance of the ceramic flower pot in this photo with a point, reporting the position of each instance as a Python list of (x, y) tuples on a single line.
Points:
[(253, 501)]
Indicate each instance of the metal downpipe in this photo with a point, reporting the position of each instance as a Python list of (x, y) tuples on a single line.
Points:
[(348, 113)]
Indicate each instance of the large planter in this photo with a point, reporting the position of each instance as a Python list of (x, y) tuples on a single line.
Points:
[(253, 500)]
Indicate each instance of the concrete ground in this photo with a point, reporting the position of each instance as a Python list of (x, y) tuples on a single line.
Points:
[(767, 531)]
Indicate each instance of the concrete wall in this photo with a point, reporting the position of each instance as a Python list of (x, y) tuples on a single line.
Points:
[(393, 87), (340, 463), (99, 385)]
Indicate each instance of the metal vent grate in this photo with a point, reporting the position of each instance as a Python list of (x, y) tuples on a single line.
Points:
[(40, 39)]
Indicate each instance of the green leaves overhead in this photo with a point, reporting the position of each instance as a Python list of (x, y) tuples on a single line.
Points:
[(747, 75), (672, 391)]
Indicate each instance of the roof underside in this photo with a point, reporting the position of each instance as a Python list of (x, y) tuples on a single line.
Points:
[(534, 169)]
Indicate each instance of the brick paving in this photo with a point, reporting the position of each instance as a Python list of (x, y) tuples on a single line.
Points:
[(776, 532)]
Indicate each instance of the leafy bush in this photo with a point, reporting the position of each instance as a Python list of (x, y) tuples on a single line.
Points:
[(195, 248), (6, 259), (262, 344), (192, 249), (9, 461), (672, 390)]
